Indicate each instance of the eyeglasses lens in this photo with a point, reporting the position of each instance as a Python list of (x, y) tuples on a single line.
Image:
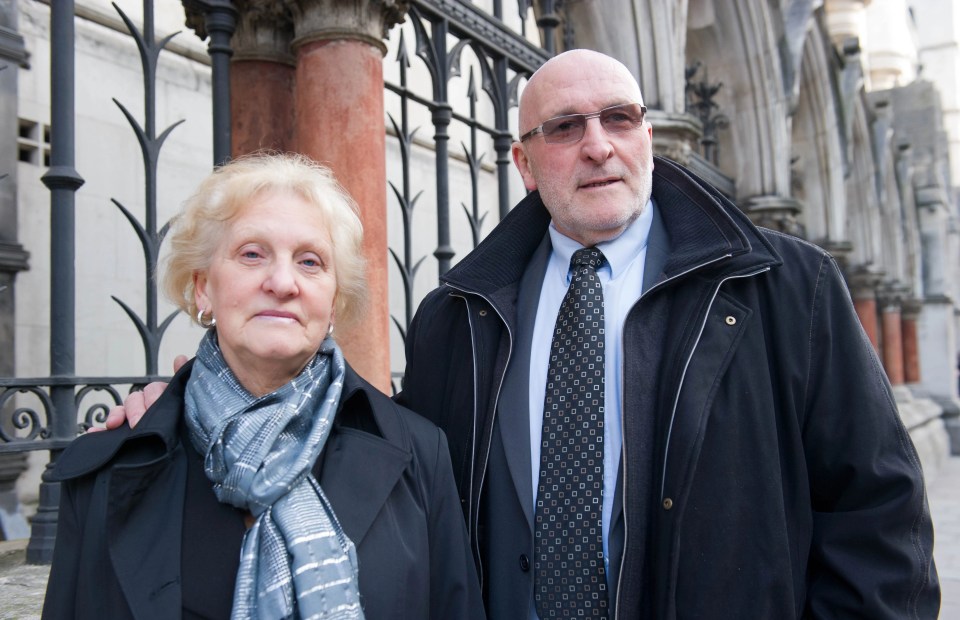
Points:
[(615, 119)]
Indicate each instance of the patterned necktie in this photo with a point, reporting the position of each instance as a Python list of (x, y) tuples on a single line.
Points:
[(570, 578)]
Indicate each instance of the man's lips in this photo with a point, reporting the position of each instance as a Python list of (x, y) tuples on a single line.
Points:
[(599, 183)]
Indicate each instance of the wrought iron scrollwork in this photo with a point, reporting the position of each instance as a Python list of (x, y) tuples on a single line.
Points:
[(27, 424)]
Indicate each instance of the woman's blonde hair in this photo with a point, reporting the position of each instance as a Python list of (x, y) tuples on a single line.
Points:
[(196, 232)]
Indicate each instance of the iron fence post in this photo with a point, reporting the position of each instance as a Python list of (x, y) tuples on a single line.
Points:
[(63, 181)]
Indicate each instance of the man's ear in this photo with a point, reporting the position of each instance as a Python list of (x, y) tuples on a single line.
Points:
[(523, 165)]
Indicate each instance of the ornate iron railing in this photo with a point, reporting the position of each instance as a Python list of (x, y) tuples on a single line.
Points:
[(442, 31), (42, 413)]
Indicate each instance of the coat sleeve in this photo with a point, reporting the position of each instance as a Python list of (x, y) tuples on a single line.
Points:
[(872, 540), (454, 588)]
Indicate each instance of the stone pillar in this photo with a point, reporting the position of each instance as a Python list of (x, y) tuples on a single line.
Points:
[(13, 258), (339, 120), (910, 312), (262, 78), (863, 289), (651, 43), (892, 349)]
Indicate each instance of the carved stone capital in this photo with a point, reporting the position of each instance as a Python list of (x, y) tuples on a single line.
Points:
[(863, 281), (369, 21), (675, 136), (910, 308), (777, 213), (892, 296), (197, 11), (840, 250), (264, 31)]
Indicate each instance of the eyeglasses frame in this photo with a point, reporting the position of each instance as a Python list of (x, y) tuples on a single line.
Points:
[(586, 117)]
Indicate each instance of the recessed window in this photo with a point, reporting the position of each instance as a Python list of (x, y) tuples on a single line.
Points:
[(33, 143)]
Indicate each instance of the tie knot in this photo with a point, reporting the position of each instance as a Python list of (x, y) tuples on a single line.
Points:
[(590, 257)]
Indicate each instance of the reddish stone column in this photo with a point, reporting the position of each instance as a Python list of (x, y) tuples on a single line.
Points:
[(262, 78), (892, 354), (863, 289), (867, 312), (261, 105), (911, 349), (339, 120)]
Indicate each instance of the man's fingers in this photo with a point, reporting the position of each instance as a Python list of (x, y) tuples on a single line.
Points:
[(178, 363)]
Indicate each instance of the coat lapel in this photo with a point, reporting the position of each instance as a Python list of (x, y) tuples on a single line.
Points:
[(144, 545), (360, 468), (513, 410)]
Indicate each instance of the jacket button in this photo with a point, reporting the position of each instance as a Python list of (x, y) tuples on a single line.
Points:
[(482, 313), (731, 320), (524, 562), (667, 503)]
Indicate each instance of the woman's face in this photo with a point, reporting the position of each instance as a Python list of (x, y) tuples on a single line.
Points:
[(271, 286)]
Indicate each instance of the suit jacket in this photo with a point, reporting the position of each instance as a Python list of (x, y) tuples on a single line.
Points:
[(141, 534)]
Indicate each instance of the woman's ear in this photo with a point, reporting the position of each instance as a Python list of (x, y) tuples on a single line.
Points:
[(200, 296)]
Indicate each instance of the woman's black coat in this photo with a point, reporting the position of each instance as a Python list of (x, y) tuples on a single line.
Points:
[(141, 534)]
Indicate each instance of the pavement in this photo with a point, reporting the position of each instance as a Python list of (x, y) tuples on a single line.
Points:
[(943, 493), (22, 586)]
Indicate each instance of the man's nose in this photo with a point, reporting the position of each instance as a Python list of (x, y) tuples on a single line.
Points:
[(595, 144)]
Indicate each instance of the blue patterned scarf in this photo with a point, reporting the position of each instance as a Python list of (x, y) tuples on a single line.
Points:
[(296, 560)]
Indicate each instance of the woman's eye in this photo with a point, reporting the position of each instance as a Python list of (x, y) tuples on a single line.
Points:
[(251, 254)]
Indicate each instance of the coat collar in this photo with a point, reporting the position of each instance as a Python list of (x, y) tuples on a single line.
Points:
[(704, 229)]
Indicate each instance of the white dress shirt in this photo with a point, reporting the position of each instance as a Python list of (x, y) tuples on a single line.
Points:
[(622, 279)]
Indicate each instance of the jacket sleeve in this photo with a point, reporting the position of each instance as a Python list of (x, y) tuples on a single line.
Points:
[(454, 588), (872, 539)]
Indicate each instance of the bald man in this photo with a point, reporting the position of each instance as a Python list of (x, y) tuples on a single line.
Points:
[(753, 461)]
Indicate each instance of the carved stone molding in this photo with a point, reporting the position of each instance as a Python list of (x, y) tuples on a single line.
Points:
[(892, 296), (12, 47), (369, 21), (264, 31), (911, 307), (777, 213), (863, 281), (13, 257), (675, 136)]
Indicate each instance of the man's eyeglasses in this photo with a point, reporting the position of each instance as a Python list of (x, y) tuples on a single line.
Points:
[(571, 127)]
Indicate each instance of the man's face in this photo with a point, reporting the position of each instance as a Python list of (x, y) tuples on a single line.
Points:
[(596, 187)]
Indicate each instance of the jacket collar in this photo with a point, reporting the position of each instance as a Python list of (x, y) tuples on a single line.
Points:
[(704, 228)]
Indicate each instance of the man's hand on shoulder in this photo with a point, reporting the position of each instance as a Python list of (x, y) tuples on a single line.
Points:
[(137, 403)]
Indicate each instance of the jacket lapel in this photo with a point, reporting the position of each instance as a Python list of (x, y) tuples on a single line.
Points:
[(513, 409), (360, 468), (144, 545)]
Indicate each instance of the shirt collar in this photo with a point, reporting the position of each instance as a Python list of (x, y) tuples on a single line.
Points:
[(619, 252)]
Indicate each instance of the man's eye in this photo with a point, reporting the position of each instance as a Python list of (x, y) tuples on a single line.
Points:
[(251, 254)]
